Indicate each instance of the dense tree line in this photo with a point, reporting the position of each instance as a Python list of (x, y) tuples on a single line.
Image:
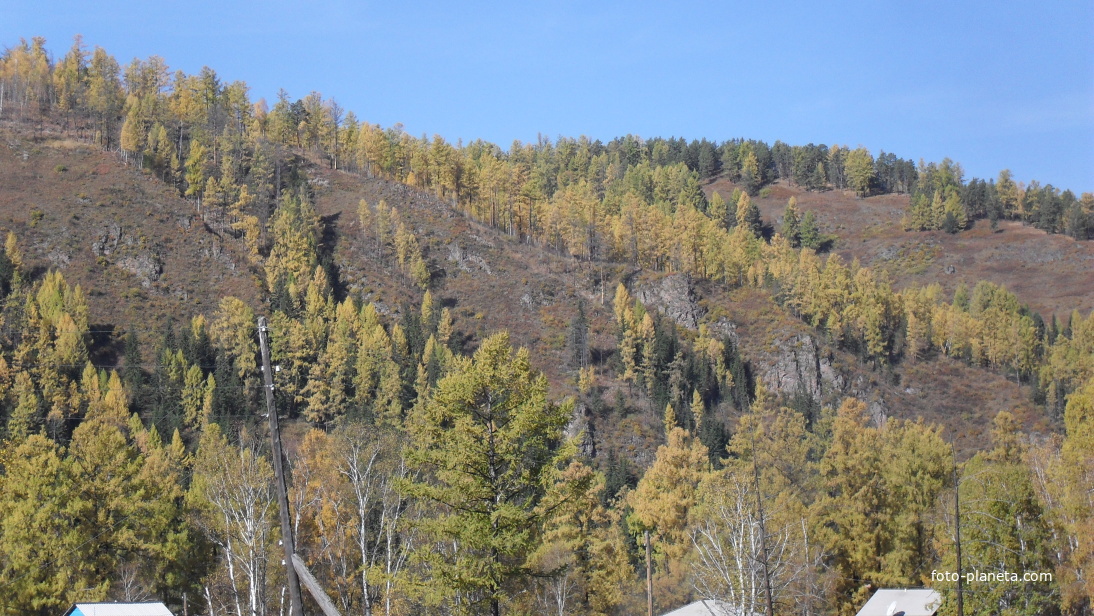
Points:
[(943, 200)]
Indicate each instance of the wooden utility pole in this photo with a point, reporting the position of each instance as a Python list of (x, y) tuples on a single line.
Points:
[(314, 588), (296, 606), (649, 575)]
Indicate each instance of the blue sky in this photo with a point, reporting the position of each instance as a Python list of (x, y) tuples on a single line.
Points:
[(992, 85)]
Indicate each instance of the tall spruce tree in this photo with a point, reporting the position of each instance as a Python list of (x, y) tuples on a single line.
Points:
[(484, 444), (791, 227), (810, 236)]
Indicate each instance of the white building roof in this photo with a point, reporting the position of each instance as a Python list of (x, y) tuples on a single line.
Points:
[(706, 607), (902, 602), (119, 609)]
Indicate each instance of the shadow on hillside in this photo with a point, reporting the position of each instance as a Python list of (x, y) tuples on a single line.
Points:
[(107, 344), (328, 244)]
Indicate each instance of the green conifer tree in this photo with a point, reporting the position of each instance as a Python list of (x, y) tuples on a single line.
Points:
[(484, 442)]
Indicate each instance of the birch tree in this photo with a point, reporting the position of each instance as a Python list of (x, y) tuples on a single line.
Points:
[(232, 495)]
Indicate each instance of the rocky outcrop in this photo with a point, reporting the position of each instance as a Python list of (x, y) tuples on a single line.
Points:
[(466, 261), (58, 258), (144, 265), (580, 425), (215, 251), (674, 297), (107, 241), (878, 411), (127, 254), (800, 365), (725, 328)]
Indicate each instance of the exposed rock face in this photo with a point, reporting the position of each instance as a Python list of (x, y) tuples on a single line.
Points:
[(108, 241), (466, 261), (59, 258), (673, 296), (216, 252), (726, 329), (797, 364), (801, 366), (145, 266), (580, 424), (879, 412)]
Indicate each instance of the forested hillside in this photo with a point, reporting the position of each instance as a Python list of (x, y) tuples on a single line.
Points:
[(502, 369)]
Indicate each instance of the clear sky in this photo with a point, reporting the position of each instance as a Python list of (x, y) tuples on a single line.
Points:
[(992, 85)]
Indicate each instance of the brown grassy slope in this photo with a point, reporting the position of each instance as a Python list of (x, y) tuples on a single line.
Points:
[(1051, 273), (532, 293), (108, 227), (489, 281), (62, 198), (493, 282)]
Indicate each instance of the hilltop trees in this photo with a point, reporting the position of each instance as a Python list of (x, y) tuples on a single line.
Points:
[(942, 211), (26, 72), (942, 200), (69, 79), (860, 171)]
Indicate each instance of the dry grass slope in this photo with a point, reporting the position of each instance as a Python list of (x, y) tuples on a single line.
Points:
[(1051, 273), (142, 254)]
